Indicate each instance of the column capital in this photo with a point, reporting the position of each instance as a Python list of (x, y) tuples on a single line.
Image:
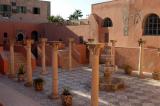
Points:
[(113, 42), (141, 42), (71, 40), (43, 39), (95, 47), (55, 43)]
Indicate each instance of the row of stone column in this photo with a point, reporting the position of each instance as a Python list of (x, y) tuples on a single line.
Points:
[(29, 82)]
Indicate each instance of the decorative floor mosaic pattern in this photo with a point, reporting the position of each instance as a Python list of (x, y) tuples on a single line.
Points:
[(139, 92)]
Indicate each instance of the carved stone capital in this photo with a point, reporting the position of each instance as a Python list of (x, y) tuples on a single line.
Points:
[(71, 40), (43, 40), (113, 42), (94, 48), (141, 42), (55, 44)]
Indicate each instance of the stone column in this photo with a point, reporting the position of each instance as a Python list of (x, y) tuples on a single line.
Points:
[(43, 42), (141, 50), (55, 45), (90, 54), (90, 59), (29, 64), (71, 40), (12, 73), (113, 51), (94, 49)]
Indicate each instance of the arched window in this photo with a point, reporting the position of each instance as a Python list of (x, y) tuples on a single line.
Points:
[(20, 37), (107, 22), (152, 25)]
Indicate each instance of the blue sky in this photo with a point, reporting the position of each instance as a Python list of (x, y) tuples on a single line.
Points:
[(66, 7)]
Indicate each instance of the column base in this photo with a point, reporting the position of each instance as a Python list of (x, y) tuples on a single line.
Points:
[(28, 84), (11, 76), (44, 72), (51, 96)]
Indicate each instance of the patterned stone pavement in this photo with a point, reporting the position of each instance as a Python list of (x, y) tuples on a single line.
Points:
[(139, 92)]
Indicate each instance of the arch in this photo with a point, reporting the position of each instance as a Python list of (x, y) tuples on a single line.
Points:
[(20, 37), (107, 22), (151, 25), (35, 35)]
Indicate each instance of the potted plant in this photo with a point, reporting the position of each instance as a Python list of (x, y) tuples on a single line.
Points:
[(21, 73), (127, 69), (38, 84), (156, 75), (66, 97)]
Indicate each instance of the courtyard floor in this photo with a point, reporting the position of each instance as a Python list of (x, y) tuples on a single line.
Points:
[(139, 92)]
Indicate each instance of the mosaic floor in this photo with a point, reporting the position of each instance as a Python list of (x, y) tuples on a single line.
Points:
[(139, 92)]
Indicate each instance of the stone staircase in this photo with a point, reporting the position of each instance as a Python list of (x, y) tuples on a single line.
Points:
[(19, 60), (64, 60)]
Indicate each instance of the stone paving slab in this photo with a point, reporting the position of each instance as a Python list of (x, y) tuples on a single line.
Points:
[(139, 92), (11, 97)]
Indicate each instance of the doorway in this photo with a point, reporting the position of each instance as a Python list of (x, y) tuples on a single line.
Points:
[(35, 37), (106, 37)]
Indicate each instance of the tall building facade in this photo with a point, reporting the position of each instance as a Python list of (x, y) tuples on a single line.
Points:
[(30, 11)]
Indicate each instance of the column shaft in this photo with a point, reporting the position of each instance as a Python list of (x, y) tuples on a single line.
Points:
[(12, 71), (55, 71), (44, 71), (29, 64), (140, 66), (95, 80), (70, 55)]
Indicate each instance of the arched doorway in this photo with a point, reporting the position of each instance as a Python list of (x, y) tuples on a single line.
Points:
[(20, 37), (35, 37), (107, 22), (106, 37)]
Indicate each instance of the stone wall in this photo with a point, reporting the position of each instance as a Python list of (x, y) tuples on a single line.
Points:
[(13, 29), (57, 32), (129, 56)]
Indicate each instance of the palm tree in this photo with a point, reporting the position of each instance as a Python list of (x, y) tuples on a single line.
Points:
[(55, 19), (76, 15)]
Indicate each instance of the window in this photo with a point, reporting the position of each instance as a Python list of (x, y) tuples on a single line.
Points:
[(5, 10), (36, 10), (152, 25), (13, 3), (21, 9), (107, 22)]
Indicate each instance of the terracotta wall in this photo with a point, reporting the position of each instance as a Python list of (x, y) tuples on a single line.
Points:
[(127, 16), (116, 11), (130, 56), (140, 9), (56, 32), (13, 29)]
